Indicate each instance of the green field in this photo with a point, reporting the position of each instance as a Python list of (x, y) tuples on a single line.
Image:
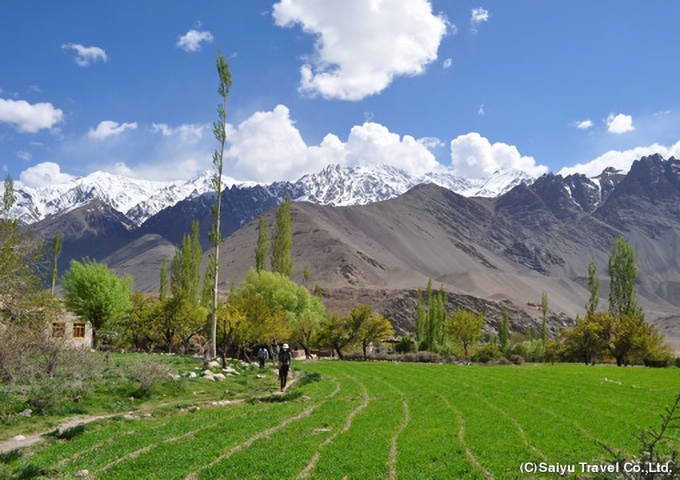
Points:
[(386, 420)]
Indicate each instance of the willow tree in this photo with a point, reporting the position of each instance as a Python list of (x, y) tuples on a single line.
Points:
[(220, 132)]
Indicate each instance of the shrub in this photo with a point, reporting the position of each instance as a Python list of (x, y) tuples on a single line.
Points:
[(502, 361), (403, 345), (486, 354), (677, 362), (428, 357), (309, 378), (517, 359), (147, 373)]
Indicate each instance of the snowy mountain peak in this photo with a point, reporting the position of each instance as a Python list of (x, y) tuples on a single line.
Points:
[(334, 185)]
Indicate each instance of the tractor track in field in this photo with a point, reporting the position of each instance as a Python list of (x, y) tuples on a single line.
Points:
[(461, 438), (517, 425), (253, 439), (392, 458), (148, 448), (307, 471)]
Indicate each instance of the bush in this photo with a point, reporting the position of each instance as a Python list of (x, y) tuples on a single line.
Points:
[(517, 359), (403, 345), (428, 357), (147, 373), (486, 354), (677, 362), (502, 361)]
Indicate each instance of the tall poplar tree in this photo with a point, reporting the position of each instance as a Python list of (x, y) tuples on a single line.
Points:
[(623, 274), (544, 310), (281, 260), (164, 278), (593, 287), (56, 250), (220, 132), (262, 244), (186, 266)]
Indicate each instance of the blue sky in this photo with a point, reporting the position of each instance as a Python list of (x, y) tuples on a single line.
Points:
[(468, 87)]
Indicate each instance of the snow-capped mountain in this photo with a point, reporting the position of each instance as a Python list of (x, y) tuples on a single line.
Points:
[(335, 185)]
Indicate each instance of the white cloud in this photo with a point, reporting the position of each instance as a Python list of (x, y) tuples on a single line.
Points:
[(430, 142), (448, 63), (583, 124), (108, 128), (621, 160), (188, 133), (26, 156), (473, 156), (361, 46), (481, 112), (4, 167), (29, 118), (620, 123), (191, 41), (478, 15), (43, 174), (267, 147), (86, 55)]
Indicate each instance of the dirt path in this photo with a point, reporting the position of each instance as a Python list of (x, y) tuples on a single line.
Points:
[(392, 459), (11, 444), (307, 471)]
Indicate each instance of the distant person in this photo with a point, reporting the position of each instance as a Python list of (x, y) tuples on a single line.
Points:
[(262, 356), (285, 362)]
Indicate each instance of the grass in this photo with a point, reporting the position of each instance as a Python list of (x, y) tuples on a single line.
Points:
[(346, 418)]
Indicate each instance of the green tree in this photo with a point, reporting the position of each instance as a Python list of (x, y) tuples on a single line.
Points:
[(623, 275), (340, 332), (96, 294), (374, 330), (305, 276), (164, 278), (22, 299), (431, 317), (281, 260), (207, 290), (588, 339), (186, 266), (544, 310), (187, 319), (593, 287), (138, 325), (56, 250), (466, 327), (220, 132), (262, 247), (504, 331)]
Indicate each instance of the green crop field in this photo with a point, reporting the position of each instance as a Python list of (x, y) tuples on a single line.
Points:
[(386, 420)]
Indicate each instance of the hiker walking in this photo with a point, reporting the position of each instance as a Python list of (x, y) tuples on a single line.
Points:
[(285, 361), (262, 356)]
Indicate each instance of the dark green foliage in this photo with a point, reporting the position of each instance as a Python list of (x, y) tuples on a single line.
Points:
[(207, 290), (486, 354), (282, 240), (623, 274), (309, 378), (517, 359), (28, 470), (286, 397), (10, 456), (403, 345)]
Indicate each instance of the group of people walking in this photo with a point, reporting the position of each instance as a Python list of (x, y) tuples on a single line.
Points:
[(284, 357)]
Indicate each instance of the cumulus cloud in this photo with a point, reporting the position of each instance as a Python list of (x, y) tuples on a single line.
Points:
[(361, 46), (478, 15), (29, 118), (620, 123), (191, 41), (267, 147), (44, 174), (108, 128), (621, 160), (448, 63), (86, 55), (473, 156), (583, 124)]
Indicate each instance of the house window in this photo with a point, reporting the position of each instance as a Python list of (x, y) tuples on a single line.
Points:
[(59, 329), (78, 330)]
